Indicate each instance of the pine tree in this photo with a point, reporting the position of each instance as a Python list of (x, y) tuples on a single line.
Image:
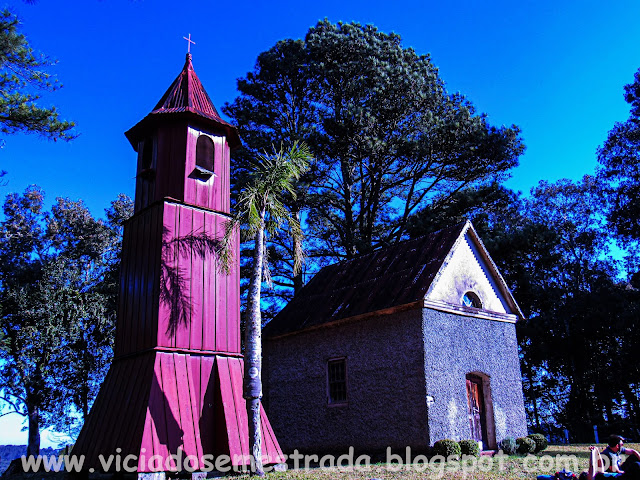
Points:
[(23, 74)]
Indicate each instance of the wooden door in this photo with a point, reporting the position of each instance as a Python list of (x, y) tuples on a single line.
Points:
[(476, 410)]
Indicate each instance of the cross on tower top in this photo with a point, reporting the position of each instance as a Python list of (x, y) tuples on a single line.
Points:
[(189, 42)]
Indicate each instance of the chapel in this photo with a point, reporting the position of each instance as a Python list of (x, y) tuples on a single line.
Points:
[(398, 348)]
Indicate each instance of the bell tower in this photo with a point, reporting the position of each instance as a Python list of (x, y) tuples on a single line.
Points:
[(183, 148), (174, 389)]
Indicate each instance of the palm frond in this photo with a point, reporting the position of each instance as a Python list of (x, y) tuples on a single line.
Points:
[(260, 206)]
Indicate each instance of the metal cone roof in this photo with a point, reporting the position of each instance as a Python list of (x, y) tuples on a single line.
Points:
[(186, 95)]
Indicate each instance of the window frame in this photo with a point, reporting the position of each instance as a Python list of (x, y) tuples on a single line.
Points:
[(345, 382), (203, 170), (476, 302), (147, 155)]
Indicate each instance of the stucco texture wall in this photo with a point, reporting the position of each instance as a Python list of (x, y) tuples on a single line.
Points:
[(386, 387), (456, 345)]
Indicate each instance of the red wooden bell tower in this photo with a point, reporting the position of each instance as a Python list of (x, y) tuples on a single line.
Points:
[(175, 385)]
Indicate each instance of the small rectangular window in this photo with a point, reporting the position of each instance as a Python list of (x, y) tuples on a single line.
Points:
[(337, 381)]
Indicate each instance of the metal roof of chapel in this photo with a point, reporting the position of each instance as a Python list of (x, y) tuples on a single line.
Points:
[(393, 277), (396, 275)]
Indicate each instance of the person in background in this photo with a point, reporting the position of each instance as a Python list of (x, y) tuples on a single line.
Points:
[(615, 448), (599, 470)]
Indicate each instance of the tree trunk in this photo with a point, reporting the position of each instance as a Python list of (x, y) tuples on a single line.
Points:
[(85, 404), (255, 438), (33, 443), (253, 353), (632, 401), (534, 399)]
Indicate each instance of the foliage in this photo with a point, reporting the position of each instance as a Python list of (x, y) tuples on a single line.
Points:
[(553, 251), (93, 302), (261, 212), (57, 307), (583, 310), (525, 445), (541, 441), (469, 447), (11, 452), (22, 74), (397, 155), (447, 448), (386, 136), (508, 445), (619, 159)]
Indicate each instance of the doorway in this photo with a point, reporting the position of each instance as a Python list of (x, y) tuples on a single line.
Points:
[(477, 409)]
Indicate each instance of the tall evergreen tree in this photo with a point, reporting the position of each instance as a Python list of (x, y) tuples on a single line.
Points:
[(619, 170), (23, 73), (386, 135)]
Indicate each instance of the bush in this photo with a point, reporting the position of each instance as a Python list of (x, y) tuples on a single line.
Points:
[(469, 447), (446, 448), (508, 445), (525, 445), (541, 441)]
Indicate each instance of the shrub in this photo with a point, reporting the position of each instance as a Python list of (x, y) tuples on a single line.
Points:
[(508, 445), (446, 448), (525, 445), (469, 447), (541, 441)]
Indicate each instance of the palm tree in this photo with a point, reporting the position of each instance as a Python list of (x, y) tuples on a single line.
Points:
[(261, 210)]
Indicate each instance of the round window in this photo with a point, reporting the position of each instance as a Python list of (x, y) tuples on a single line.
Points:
[(470, 299)]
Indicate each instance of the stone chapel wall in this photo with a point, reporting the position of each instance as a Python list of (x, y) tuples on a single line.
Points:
[(456, 345), (386, 388)]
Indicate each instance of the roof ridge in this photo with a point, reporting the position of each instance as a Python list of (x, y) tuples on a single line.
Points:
[(188, 67), (455, 226)]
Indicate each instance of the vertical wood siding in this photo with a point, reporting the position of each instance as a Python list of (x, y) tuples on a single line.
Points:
[(213, 192), (172, 292), (118, 415), (161, 403), (174, 170), (138, 299), (231, 371), (145, 183), (209, 279), (199, 311), (169, 390), (197, 283)]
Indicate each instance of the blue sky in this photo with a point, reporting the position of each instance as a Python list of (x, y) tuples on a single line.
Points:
[(556, 69)]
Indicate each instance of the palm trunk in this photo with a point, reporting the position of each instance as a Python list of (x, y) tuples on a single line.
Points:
[(298, 282), (253, 353)]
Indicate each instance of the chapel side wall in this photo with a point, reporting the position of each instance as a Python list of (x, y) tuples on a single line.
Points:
[(385, 377), (456, 345)]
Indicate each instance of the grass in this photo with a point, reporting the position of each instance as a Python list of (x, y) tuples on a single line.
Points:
[(554, 458)]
